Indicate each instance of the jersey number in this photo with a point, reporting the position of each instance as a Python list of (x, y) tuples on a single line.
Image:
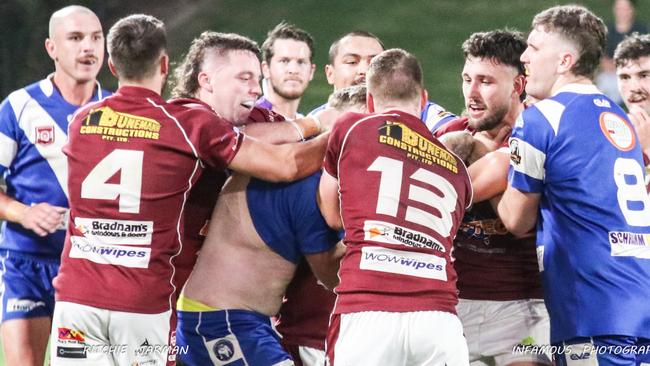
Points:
[(390, 187), (129, 165), (631, 192)]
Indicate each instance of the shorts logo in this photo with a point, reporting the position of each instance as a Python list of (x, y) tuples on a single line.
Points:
[(23, 305), (402, 262), (67, 334), (617, 130), (223, 350), (387, 233), (70, 352), (44, 135)]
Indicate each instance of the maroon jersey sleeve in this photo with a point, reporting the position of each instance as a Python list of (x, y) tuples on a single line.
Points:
[(341, 126), (457, 124), (259, 114)]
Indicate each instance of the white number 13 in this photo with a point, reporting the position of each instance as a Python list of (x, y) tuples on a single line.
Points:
[(390, 187)]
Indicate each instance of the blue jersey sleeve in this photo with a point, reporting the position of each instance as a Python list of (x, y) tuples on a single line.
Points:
[(529, 146), (8, 138)]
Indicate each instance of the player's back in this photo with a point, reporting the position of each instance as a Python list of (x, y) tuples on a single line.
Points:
[(403, 196), (595, 212), (133, 160)]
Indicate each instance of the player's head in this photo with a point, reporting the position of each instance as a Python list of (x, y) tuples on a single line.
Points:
[(349, 99), (287, 55), (395, 78), (349, 58), (632, 58), (565, 42), (222, 70), (137, 49), (76, 43), (493, 76), (624, 10)]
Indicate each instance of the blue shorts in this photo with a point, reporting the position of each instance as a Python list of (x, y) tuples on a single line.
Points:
[(228, 337), (611, 350), (26, 285)]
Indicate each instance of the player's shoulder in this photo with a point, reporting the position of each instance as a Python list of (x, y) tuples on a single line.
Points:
[(262, 114), (456, 124), (18, 99), (434, 116)]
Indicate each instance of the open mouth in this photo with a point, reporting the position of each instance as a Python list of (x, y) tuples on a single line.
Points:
[(249, 104), (88, 61), (637, 98)]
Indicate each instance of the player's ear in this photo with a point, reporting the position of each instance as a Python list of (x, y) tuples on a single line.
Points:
[(329, 73), (164, 64), (265, 70), (567, 60), (370, 103), (204, 81), (520, 85), (50, 47), (111, 67), (424, 98)]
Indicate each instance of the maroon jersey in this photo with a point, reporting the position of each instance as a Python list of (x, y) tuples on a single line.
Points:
[(491, 263), (133, 161), (403, 196)]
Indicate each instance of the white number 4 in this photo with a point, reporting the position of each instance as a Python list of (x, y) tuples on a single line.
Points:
[(129, 164)]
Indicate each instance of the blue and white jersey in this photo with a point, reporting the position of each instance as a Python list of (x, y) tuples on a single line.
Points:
[(287, 218), (33, 129), (580, 152), (435, 116)]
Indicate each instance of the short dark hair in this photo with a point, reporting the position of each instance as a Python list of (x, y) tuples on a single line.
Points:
[(135, 44), (580, 26), (348, 97), (285, 30), (334, 48), (186, 75), (504, 46), (394, 75), (632, 48)]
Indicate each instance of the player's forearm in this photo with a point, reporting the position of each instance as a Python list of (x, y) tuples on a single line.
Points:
[(518, 211), (306, 158), (10, 209)]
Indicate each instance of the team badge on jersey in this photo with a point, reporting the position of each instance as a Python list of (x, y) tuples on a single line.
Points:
[(617, 130), (44, 135)]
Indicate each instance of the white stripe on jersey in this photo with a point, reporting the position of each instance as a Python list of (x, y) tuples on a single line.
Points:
[(532, 160), (552, 111), (8, 149), (31, 115)]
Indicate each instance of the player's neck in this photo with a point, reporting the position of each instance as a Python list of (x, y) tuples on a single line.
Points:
[(567, 79), (72, 91), (153, 84), (286, 107), (410, 108)]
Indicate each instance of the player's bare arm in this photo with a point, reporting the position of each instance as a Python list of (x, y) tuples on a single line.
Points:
[(41, 218), (641, 121), (284, 132), (325, 265), (489, 175), (328, 200), (279, 163), (518, 210)]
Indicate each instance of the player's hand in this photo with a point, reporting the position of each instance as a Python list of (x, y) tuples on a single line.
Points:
[(641, 121), (42, 218), (327, 118)]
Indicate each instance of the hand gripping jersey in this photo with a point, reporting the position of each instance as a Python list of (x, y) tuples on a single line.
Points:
[(491, 263), (33, 128), (133, 161), (403, 196), (580, 152)]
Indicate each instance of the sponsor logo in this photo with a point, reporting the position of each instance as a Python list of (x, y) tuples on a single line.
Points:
[(118, 255), (117, 126), (44, 135), (416, 146), (515, 155), (580, 356), (402, 262), (384, 232), (22, 305), (71, 335), (70, 352), (617, 130), (223, 349), (115, 231), (627, 244), (603, 103), (483, 229)]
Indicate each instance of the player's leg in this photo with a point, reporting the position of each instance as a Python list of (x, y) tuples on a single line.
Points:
[(369, 338), (79, 336), (142, 339), (435, 338), (27, 306), (228, 336)]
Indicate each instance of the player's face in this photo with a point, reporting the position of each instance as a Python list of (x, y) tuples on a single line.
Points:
[(235, 84), (634, 83), (541, 58), (352, 61), (488, 88), (77, 46), (290, 69)]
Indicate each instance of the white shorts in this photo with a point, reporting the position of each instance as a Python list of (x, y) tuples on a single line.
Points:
[(311, 356), (425, 338), (89, 336), (494, 328)]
